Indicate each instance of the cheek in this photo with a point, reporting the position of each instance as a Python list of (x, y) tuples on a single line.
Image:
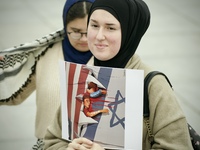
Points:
[(71, 41), (116, 45), (90, 38), (90, 33)]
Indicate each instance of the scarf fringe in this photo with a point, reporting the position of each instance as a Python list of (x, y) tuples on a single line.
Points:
[(33, 68), (18, 54)]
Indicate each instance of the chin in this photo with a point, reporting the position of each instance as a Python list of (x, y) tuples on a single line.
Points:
[(83, 50), (101, 58)]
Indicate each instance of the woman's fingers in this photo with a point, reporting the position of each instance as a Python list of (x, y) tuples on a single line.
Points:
[(1, 57), (75, 146), (80, 144)]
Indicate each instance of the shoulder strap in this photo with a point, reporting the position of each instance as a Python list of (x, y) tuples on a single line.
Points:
[(146, 95), (195, 138)]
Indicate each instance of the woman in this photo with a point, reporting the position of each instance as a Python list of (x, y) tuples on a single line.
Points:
[(115, 29), (43, 75)]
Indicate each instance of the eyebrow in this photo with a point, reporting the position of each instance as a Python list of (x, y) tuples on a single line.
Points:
[(75, 29), (109, 24)]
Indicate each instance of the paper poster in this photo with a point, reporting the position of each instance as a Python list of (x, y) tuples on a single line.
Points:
[(102, 104)]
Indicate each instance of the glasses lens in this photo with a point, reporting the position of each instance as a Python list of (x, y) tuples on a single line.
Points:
[(75, 35)]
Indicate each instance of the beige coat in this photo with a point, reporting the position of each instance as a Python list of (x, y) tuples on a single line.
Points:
[(167, 120)]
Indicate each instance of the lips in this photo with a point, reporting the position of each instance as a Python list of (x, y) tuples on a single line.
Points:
[(84, 44), (101, 46)]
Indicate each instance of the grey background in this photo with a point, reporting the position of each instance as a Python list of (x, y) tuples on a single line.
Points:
[(171, 45)]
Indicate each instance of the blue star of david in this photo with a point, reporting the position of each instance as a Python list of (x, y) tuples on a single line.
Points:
[(118, 100)]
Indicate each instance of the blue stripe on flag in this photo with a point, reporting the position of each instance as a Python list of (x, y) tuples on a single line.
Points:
[(103, 77)]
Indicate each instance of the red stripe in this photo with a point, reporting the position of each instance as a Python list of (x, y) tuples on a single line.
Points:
[(80, 90), (72, 69)]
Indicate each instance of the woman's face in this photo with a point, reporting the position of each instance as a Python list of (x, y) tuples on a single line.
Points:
[(78, 25), (104, 35)]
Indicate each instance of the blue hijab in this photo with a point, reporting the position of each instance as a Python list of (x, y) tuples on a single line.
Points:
[(69, 52)]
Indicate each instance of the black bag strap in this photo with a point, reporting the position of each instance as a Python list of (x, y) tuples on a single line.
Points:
[(195, 138), (146, 112), (147, 80)]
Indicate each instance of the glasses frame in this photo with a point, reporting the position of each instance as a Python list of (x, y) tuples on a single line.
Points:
[(77, 37)]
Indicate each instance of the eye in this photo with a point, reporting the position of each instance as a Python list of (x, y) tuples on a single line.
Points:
[(94, 25), (111, 28), (76, 32)]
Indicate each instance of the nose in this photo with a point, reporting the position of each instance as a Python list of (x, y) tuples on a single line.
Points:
[(84, 37), (100, 34)]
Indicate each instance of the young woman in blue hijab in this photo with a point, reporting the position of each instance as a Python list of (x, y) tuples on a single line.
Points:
[(75, 47), (39, 65)]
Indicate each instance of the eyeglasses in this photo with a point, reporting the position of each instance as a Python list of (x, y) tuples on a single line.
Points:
[(76, 35)]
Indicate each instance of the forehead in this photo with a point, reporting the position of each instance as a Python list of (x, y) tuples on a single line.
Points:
[(78, 23), (103, 16)]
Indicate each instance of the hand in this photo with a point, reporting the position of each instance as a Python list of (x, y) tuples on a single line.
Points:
[(103, 92), (83, 144), (96, 147), (80, 144), (1, 57), (105, 110)]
